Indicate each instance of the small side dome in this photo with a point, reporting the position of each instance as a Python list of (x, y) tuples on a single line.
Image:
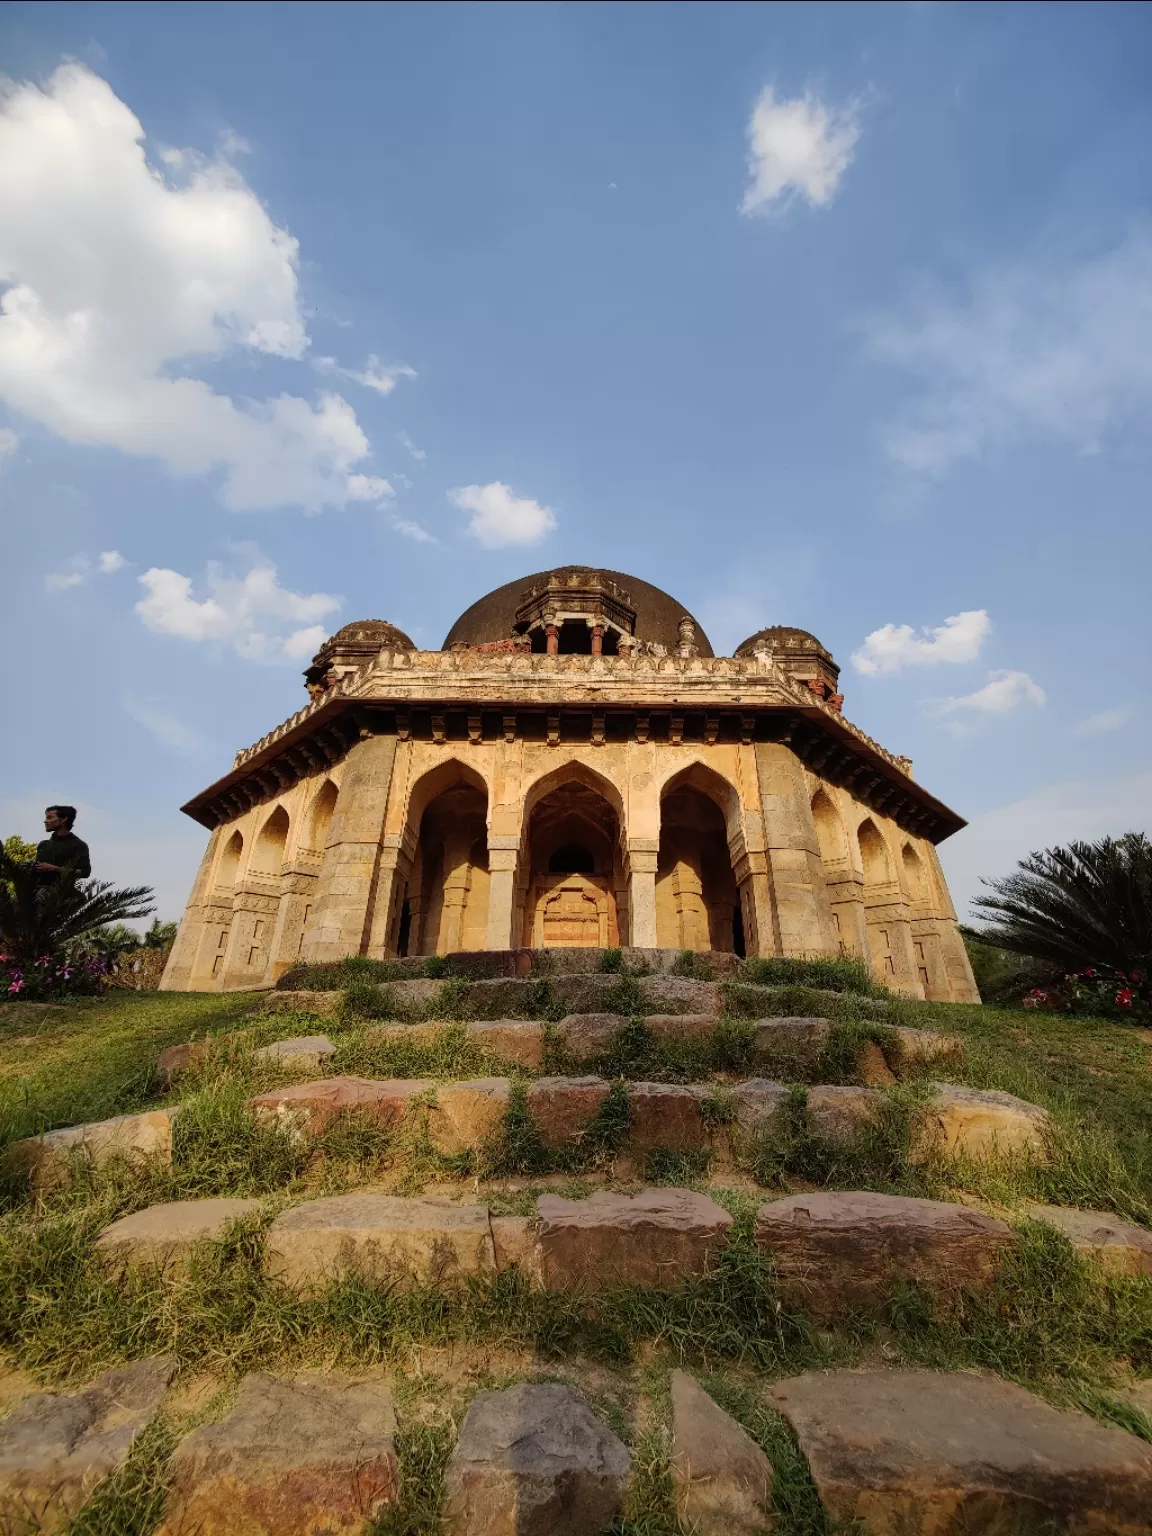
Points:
[(348, 650), (783, 639)]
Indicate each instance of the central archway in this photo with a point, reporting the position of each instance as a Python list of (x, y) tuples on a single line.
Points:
[(444, 906), (571, 873)]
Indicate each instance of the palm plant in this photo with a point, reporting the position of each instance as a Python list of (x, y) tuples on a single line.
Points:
[(1085, 906), (41, 917)]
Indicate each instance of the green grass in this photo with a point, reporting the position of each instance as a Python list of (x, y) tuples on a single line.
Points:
[(1050, 1320)]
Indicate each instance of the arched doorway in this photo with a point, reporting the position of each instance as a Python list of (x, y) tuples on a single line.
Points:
[(697, 902), (445, 903), (320, 817), (571, 871)]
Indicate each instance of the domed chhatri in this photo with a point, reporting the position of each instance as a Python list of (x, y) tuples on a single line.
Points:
[(575, 599), (575, 768)]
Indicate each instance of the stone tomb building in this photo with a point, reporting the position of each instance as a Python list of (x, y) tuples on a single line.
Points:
[(574, 768)]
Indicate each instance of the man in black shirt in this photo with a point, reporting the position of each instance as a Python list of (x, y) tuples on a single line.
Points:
[(62, 852)]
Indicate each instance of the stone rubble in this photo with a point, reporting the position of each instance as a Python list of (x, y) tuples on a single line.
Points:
[(293, 1458), (55, 1447), (722, 1479), (925, 1453), (534, 1460)]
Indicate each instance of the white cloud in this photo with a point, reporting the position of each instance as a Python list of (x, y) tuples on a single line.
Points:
[(894, 646), (164, 267), (499, 517), (993, 843), (1034, 351), (375, 375), (417, 453), (798, 148), (9, 443), (1004, 692), (80, 569), (412, 530), (253, 614), (1107, 720), (167, 730)]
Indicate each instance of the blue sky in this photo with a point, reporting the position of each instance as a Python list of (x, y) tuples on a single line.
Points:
[(838, 316)]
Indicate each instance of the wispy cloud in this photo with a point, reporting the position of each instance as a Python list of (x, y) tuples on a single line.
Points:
[(407, 443), (167, 730), (895, 646), (9, 443), (382, 377), (1038, 350), (798, 148), (1004, 693), (413, 530), (80, 569), (1107, 720)]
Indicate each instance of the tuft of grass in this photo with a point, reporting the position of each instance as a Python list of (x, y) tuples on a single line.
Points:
[(612, 962), (650, 1502), (131, 1501), (834, 973), (690, 963), (422, 1452), (336, 975), (746, 1000)]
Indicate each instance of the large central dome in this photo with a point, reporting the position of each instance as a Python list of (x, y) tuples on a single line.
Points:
[(657, 614)]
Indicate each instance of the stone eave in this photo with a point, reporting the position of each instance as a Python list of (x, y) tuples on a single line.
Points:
[(412, 691)]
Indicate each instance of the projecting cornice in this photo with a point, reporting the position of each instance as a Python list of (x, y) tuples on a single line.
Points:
[(473, 696)]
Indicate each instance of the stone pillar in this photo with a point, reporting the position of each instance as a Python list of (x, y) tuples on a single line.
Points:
[(297, 897), (688, 889), (457, 881), (181, 963), (890, 939), (846, 897), (597, 639), (351, 884), (642, 894), (552, 639), (801, 914), (502, 861), (254, 913)]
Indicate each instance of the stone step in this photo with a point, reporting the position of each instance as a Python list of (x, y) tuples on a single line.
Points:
[(294, 1458), (309, 1108), (659, 1237), (55, 1447), (49, 1160), (165, 1235), (534, 1460), (956, 1455), (306, 1053), (1119, 1247), (836, 1253)]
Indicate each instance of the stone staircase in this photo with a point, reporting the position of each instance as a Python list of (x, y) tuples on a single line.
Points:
[(564, 1041)]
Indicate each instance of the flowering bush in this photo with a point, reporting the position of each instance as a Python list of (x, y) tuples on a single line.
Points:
[(1099, 990), (51, 977)]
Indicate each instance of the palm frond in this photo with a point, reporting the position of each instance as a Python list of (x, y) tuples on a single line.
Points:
[(39, 917)]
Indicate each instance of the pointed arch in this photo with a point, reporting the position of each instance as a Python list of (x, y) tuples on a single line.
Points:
[(698, 904), (916, 880), (830, 832), (704, 778), (570, 870), (319, 818), (228, 866), (572, 771), (442, 903), (268, 849), (875, 860)]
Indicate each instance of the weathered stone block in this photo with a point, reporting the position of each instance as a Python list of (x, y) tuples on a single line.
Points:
[(679, 994), (872, 1066), (981, 1124), (412, 1000), (304, 1054), (178, 1059), (583, 993), (757, 1105), (693, 1027), (164, 1235), (378, 1237), (924, 1453), (1118, 1246), (838, 1114), (307, 1108), (795, 1043), (834, 1252), (466, 1114), (293, 1458), (514, 1245), (55, 1446), (306, 1000), (722, 1478), (659, 1237), (424, 1035), (666, 1115), (534, 1461), (911, 1051), (504, 998), (588, 1035), (563, 1107), (48, 1158), (511, 1039)]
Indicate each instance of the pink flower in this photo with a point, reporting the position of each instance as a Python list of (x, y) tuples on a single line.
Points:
[(1124, 997), (17, 985)]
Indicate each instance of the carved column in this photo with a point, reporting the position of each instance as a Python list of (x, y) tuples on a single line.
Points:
[(352, 880), (597, 639), (552, 639), (801, 914), (180, 966), (254, 913), (503, 854)]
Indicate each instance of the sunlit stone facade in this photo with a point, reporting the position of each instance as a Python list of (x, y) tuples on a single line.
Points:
[(574, 768)]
